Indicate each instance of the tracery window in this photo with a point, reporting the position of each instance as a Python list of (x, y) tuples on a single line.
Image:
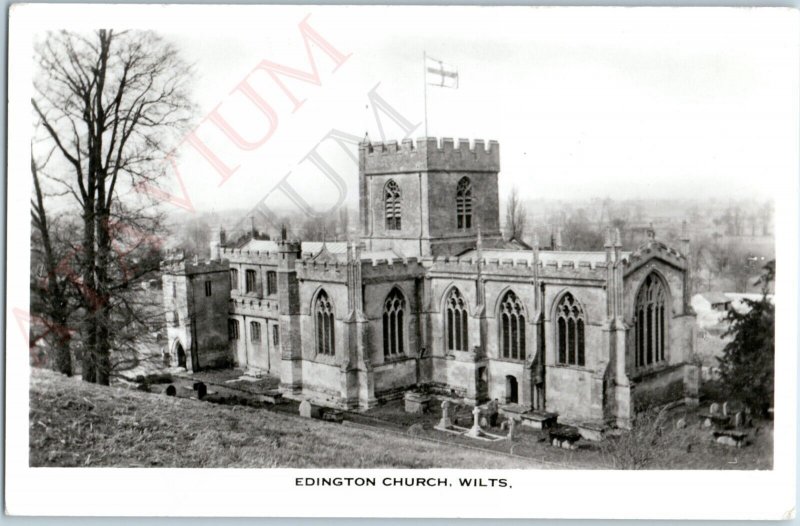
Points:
[(650, 322), (570, 328), (393, 323), (234, 279), (456, 321), (464, 204), (512, 327), (324, 321), (391, 196)]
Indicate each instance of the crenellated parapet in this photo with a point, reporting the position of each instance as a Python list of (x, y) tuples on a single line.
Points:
[(178, 265), (251, 257), (430, 153)]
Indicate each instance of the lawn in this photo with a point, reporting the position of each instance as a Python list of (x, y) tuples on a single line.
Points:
[(77, 424)]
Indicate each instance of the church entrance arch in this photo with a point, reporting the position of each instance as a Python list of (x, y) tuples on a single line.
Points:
[(512, 390), (181, 355)]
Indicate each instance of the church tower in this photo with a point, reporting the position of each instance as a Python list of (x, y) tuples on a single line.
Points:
[(428, 197)]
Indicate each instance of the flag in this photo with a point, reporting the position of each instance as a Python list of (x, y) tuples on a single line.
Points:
[(437, 73)]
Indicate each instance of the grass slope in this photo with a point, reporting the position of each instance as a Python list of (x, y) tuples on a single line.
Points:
[(77, 424)]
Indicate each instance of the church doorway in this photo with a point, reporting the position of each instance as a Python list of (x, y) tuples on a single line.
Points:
[(511, 390), (181, 355)]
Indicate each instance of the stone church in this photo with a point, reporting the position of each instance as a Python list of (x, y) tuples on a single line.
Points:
[(432, 298)]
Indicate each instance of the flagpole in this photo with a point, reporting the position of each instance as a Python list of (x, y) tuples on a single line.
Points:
[(425, 87)]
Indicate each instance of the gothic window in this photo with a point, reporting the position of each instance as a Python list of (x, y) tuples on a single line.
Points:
[(272, 282), (255, 331), (233, 329), (250, 281), (324, 321), (391, 194), (512, 327), (234, 279), (393, 323), (570, 327), (464, 204), (456, 321), (650, 322)]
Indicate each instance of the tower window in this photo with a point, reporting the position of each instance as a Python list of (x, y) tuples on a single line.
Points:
[(233, 329), (391, 196), (234, 279), (464, 204), (208, 288)]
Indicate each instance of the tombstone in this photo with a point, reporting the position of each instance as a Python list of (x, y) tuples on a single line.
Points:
[(738, 419), (714, 409), (476, 424), (305, 409), (707, 422), (202, 390), (171, 390), (726, 408), (493, 407), (512, 429), (144, 387), (681, 423), (446, 422), (484, 422), (415, 429)]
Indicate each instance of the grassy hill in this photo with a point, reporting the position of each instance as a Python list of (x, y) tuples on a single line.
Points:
[(77, 424)]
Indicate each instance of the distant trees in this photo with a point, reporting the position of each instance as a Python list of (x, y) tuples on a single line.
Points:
[(747, 366), (109, 105), (516, 216)]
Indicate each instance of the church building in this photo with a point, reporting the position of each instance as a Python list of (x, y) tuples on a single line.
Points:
[(432, 298)]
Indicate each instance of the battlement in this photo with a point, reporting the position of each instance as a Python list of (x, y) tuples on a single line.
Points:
[(238, 255), (176, 263), (430, 154)]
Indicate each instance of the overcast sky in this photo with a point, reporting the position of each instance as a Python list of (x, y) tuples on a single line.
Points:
[(624, 102)]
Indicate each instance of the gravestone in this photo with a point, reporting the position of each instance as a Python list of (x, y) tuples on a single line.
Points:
[(512, 429), (415, 429), (681, 423), (446, 421), (484, 422), (726, 408), (202, 390), (476, 423), (738, 419), (714, 409), (305, 409), (171, 390), (416, 402)]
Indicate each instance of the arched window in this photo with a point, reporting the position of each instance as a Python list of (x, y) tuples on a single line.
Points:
[(570, 328), (391, 194), (464, 204), (456, 321), (512, 327), (324, 315), (393, 323), (650, 322)]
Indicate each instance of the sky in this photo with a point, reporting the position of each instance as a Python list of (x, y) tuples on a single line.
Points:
[(585, 102)]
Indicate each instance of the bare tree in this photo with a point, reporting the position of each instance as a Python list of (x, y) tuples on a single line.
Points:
[(49, 288), (111, 104), (516, 216)]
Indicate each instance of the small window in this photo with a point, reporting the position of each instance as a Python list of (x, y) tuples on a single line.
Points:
[(234, 279), (174, 290), (208, 288), (255, 331), (391, 196), (272, 282), (464, 204), (250, 281), (233, 330), (275, 336)]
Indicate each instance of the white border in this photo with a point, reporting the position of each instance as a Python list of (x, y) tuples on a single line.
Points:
[(173, 492)]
